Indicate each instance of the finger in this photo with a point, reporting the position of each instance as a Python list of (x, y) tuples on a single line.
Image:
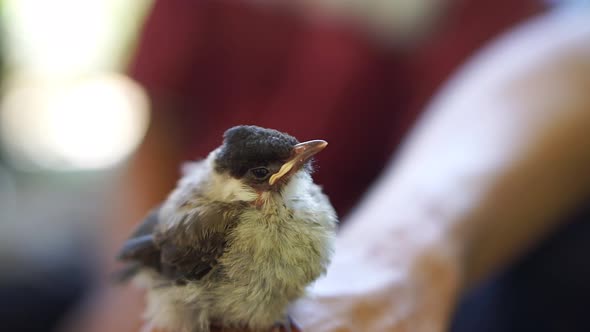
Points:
[(295, 328), (217, 328), (152, 329)]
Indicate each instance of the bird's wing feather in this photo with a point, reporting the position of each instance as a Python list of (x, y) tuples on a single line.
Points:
[(191, 248), (140, 250), (148, 225), (184, 237), (137, 247), (191, 262), (173, 255)]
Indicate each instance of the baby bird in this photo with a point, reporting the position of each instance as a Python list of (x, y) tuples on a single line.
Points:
[(240, 238)]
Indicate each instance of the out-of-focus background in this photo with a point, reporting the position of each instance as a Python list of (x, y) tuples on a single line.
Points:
[(68, 120), (71, 118)]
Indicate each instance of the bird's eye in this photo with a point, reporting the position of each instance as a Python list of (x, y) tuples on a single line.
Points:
[(260, 173)]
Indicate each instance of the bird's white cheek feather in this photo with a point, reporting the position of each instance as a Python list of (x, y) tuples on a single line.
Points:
[(299, 183), (224, 188)]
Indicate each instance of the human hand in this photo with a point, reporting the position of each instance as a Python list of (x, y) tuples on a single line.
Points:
[(362, 293), (406, 287), (293, 328), (396, 279)]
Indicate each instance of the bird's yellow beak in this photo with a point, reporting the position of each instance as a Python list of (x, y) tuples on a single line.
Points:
[(302, 152)]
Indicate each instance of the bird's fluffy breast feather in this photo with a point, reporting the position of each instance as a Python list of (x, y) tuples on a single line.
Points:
[(273, 253)]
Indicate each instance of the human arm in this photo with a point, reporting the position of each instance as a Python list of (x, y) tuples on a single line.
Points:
[(498, 158)]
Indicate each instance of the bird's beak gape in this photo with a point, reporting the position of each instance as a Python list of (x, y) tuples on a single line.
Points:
[(302, 152)]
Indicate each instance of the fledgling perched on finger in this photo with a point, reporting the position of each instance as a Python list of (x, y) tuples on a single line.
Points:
[(240, 238)]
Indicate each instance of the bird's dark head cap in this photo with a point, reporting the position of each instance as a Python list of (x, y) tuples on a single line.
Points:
[(245, 147)]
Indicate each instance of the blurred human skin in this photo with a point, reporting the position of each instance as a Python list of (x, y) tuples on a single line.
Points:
[(517, 140), (512, 126)]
